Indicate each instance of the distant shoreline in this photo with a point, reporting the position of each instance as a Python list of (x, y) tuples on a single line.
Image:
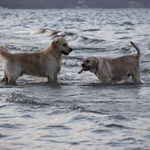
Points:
[(65, 8), (73, 4)]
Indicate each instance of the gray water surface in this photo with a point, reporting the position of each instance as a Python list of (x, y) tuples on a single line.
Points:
[(79, 112)]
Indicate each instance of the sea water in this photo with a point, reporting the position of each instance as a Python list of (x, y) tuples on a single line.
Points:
[(78, 112)]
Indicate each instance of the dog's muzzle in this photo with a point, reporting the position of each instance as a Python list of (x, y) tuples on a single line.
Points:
[(85, 67), (67, 53)]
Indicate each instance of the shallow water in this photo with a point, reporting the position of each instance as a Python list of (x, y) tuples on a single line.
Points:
[(78, 112)]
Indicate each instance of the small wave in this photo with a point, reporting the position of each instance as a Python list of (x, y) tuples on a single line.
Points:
[(91, 30), (95, 112), (3, 136), (61, 127), (6, 14), (81, 118), (38, 31), (146, 70), (99, 131), (24, 48), (72, 37), (72, 64), (127, 23), (115, 126), (124, 37), (62, 33), (88, 40), (90, 48), (51, 32), (147, 54), (126, 141), (121, 32), (130, 29), (81, 38), (75, 108), (125, 48), (119, 117), (20, 98), (76, 38)]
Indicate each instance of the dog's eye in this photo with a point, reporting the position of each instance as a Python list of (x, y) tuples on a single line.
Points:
[(65, 45), (87, 61)]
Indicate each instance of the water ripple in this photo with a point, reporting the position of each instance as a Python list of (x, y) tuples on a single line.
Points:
[(78, 112)]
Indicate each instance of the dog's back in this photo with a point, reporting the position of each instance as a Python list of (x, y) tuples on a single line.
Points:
[(4, 53)]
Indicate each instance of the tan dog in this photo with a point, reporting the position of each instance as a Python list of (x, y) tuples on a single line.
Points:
[(114, 69), (46, 63)]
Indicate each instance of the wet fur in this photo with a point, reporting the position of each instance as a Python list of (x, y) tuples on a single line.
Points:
[(45, 63), (115, 69)]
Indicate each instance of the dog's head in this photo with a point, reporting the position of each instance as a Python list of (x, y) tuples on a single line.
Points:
[(90, 63), (61, 45)]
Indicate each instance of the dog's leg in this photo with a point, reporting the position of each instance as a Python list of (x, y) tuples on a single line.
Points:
[(5, 78), (12, 80), (13, 71), (12, 77), (8, 79), (136, 76), (106, 78), (55, 76), (52, 76), (50, 79)]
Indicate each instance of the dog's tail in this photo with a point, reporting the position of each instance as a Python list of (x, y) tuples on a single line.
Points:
[(138, 50), (4, 53)]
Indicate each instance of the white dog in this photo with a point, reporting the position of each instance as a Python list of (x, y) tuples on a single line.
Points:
[(45, 63), (114, 69)]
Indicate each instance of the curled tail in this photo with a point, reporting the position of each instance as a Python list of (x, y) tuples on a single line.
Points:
[(138, 50), (4, 53)]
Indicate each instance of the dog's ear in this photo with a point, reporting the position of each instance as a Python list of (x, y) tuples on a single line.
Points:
[(54, 44), (95, 63)]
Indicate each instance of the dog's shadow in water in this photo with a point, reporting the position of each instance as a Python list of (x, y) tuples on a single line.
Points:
[(112, 85), (30, 83)]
